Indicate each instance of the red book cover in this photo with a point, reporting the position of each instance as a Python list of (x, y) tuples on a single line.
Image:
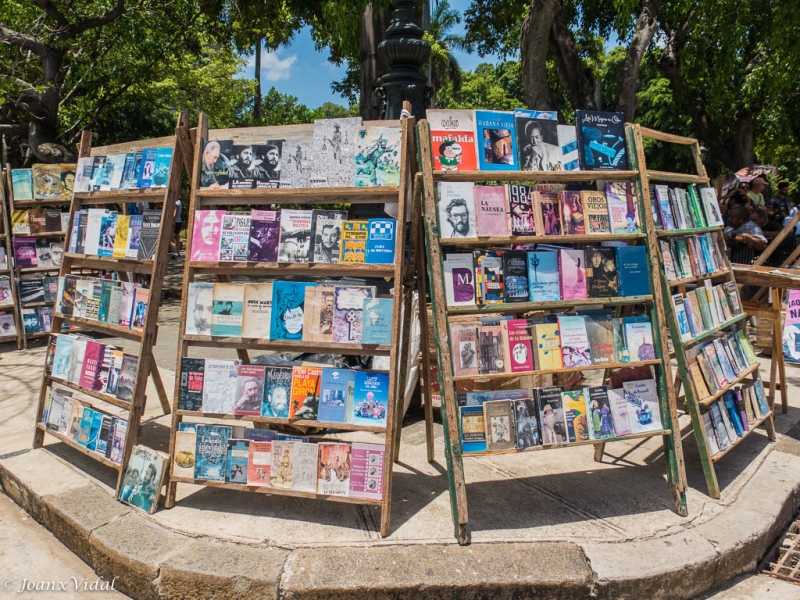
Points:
[(453, 140), (519, 355), (259, 463), (571, 212), (92, 361), (304, 402)]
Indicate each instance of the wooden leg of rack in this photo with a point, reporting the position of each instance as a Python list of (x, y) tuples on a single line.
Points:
[(172, 489), (159, 383), (599, 451)]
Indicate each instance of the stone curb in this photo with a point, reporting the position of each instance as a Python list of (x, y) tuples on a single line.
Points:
[(152, 562)]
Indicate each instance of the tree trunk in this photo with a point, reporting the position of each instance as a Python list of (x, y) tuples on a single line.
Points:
[(533, 53), (257, 100), (373, 25), (628, 82), (43, 133), (576, 79)]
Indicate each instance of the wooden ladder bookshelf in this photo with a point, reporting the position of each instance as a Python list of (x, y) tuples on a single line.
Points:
[(8, 271), (305, 198), (454, 454), (155, 268), (695, 406)]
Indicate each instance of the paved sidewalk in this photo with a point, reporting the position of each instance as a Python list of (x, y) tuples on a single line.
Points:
[(553, 523)]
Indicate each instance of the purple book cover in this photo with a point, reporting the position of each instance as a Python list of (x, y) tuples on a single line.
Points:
[(265, 231), (25, 252)]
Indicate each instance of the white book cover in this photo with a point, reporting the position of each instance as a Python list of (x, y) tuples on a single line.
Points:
[(457, 210), (83, 174), (257, 314), (568, 140), (219, 386), (680, 315), (711, 206), (459, 280), (114, 165), (335, 142), (620, 414), (644, 412), (199, 306), (711, 436), (94, 223), (304, 472)]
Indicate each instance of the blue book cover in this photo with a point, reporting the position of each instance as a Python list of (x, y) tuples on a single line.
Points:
[(108, 232), (288, 310), (87, 418), (94, 430), (236, 461), (277, 391), (370, 399), (134, 235), (62, 357), (161, 167), (211, 452), (185, 426), (144, 175), (472, 428), (377, 321), (760, 397), (601, 140), (260, 435), (543, 276), (733, 413), (496, 140), (281, 437), (336, 388), (632, 271), (381, 235)]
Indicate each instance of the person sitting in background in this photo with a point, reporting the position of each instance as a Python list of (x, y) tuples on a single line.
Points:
[(756, 193), (769, 227), (779, 205), (741, 230), (736, 198)]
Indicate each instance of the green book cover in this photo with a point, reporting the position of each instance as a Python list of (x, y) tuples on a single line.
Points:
[(744, 344), (705, 310), (105, 300), (697, 211)]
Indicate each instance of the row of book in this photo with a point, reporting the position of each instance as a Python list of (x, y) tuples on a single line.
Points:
[(508, 276), (467, 210), (261, 457), (92, 365), (727, 421), (525, 345), (291, 236), (319, 311), (526, 140), (101, 232), (676, 208), (43, 182), (34, 289), (37, 319), (220, 387), (31, 253), (342, 154), (554, 415), (693, 256), (143, 169), (706, 307), (714, 365), (39, 220), (91, 428), (105, 300)]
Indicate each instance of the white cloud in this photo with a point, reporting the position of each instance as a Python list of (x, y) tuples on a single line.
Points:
[(275, 68)]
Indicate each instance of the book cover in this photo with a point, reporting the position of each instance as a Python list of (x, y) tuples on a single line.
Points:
[(25, 252), (539, 148), (30, 320), (639, 339), (234, 242), (144, 177), (601, 272), (125, 305), (370, 399), (601, 140), (326, 231), (141, 299), (134, 235), (185, 444), (20, 222), (249, 389), (619, 412), (227, 310), (664, 207), (119, 431), (236, 463), (464, 342), (551, 415), (22, 184), (472, 426), (572, 274), (259, 463), (600, 330), (334, 150), (547, 346), (86, 427), (141, 484), (515, 275), (499, 422), (318, 317), (31, 289), (304, 403), (548, 212), (333, 475), (219, 386), (543, 279), (457, 211), (257, 310), (127, 377), (304, 467), (265, 231), (595, 212), (199, 308), (37, 221), (90, 370), (348, 312), (377, 320), (453, 140), (121, 238), (681, 317), (568, 141), (47, 182), (575, 348), (161, 167), (575, 414), (708, 196), (711, 436), (190, 393), (206, 235), (148, 238), (491, 211), (526, 423), (491, 356), (571, 205), (366, 472), (633, 271), (354, 242), (380, 241), (644, 413), (277, 392), (211, 452), (490, 282), (496, 140), (377, 159), (518, 351), (522, 209), (335, 388), (733, 413), (108, 234), (459, 280)]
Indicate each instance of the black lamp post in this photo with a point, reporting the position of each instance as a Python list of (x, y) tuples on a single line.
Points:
[(403, 52)]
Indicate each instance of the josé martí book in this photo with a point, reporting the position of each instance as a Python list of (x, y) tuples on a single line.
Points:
[(370, 399), (335, 390), (211, 452), (496, 140), (453, 140), (257, 310)]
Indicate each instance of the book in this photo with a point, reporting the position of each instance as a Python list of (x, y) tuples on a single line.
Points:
[(219, 386), (295, 237), (518, 351), (547, 346), (464, 342), (681, 317), (236, 462), (20, 222), (211, 452), (304, 401), (538, 144), (472, 427), (575, 415), (326, 230), (515, 276), (572, 212), (348, 312), (664, 208), (190, 393), (543, 278), (47, 183), (632, 271), (381, 234), (601, 272), (491, 355), (377, 316), (199, 308), (206, 235), (366, 470), (148, 237), (304, 467), (125, 304), (489, 277), (145, 175), (259, 463), (277, 391), (161, 167), (457, 210), (25, 252), (491, 211), (333, 474), (144, 476), (623, 209), (639, 339), (572, 274), (526, 423), (568, 141), (336, 386), (249, 389), (235, 237), (318, 317), (548, 213), (601, 140), (370, 403), (185, 444), (141, 299), (499, 422), (453, 140), (711, 436), (377, 159), (575, 348), (600, 331), (354, 242), (265, 230), (334, 149), (711, 210), (551, 414), (595, 212), (22, 184), (227, 310), (496, 140), (459, 280), (644, 412), (127, 377), (522, 209), (90, 369), (620, 416)]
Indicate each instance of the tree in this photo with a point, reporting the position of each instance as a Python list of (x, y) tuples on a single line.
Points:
[(444, 66), (488, 86)]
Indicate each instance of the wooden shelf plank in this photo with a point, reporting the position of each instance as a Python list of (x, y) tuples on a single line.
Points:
[(109, 263), (302, 422), (677, 177), (698, 278), (46, 234), (622, 438), (76, 446), (554, 304), (307, 269), (667, 137), (275, 491), (685, 232), (93, 393), (535, 176), (755, 425), (38, 269), (40, 203), (706, 402), (291, 346), (36, 304), (498, 376), (542, 239), (331, 195), (122, 196), (707, 334), (109, 328)]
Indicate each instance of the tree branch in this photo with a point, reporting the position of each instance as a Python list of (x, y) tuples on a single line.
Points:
[(53, 12), (13, 128), (576, 79), (628, 80), (78, 28), (533, 54), (20, 40)]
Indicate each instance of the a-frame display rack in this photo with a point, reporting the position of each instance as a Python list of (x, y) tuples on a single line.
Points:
[(442, 314), (306, 198), (695, 406), (155, 268), (10, 306)]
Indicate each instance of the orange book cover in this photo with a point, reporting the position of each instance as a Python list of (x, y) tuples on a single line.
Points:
[(259, 463), (304, 402)]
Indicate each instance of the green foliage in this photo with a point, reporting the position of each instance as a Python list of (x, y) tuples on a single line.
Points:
[(284, 109), (489, 86)]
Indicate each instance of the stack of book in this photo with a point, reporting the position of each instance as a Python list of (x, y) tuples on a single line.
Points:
[(693, 256), (94, 366), (713, 366), (291, 236), (342, 154), (37, 253), (705, 308), (320, 311), (103, 299), (732, 416), (43, 182), (505, 345), (265, 458), (520, 419), (507, 276), (676, 208), (309, 393), (101, 232), (91, 428), (143, 169), (39, 221)]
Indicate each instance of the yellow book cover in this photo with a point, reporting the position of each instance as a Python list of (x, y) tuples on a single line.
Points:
[(121, 239), (354, 242), (547, 344), (20, 222), (595, 212)]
